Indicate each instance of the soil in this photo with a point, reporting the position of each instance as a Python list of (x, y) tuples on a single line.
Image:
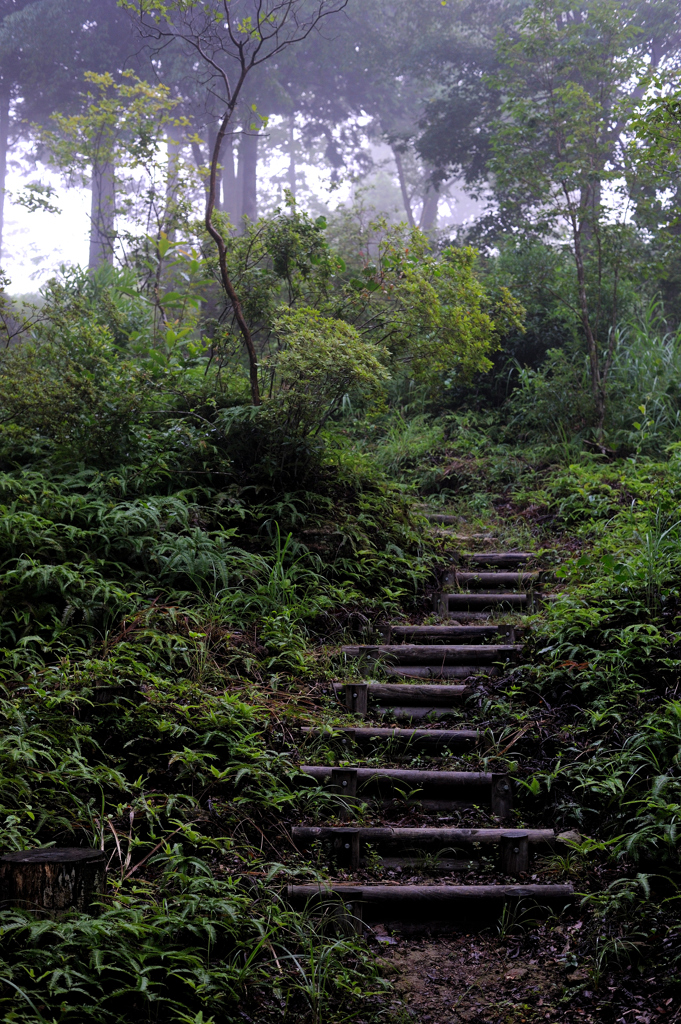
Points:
[(480, 979)]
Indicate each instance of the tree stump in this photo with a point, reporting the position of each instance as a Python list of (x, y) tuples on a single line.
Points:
[(52, 880)]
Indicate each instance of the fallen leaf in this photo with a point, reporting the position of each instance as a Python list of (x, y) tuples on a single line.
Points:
[(578, 975), (516, 974)]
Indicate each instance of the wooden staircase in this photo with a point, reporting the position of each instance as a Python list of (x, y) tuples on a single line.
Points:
[(438, 653)]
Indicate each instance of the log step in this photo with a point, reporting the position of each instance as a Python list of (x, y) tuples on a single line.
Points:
[(396, 836), (497, 558), (453, 738), (441, 672), (441, 634), (434, 866), (478, 600), (432, 654), (446, 788), (426, 845), (462, 538), (413, 714), (437, 517), (438, 694), (490, 580), (464, 906)]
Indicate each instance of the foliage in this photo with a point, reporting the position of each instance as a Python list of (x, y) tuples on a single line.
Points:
[(321, 360), (122, 126), (556, 156)]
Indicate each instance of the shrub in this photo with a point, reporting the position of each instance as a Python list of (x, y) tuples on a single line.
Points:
[(321, 361)]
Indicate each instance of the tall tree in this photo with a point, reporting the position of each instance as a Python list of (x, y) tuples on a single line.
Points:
[(230, 39), (569, 79), (46, 46), (10, 79)]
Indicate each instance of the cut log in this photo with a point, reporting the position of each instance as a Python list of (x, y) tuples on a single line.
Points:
[(356, 698), (419, 693), (441, 634), (478, 600), (432, 789), (430, 865), (463, 905), (396, 836), (439, 693), (346, 847), (414, 714), (432, 654), (515, 852), (497, 558), (440, 672), (408, 776), (490, 580), (344, 782), (463, 537), (453, 738), (52, 880)]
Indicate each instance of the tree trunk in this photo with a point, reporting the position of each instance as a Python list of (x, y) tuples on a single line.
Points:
[(403, 187), (102, 217), (292, 170), (597, 388), (52, 881), (4, 141), (231, 202), (227, 283), (174, 144), (248, 167), (431, 201), (212, 138)]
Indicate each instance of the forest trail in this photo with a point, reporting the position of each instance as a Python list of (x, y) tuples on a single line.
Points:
[(440, 829)]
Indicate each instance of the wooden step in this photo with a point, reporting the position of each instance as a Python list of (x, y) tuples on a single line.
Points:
[(412, 713), (490, 580), (438, 517), (462, 538), (463, 906), (478, 600), (434, 865), (425, 844), (453, 738), (434, 790), (442, 634), (438, 694), (434, 654), (497, 558), (441, 672), (397, 836)]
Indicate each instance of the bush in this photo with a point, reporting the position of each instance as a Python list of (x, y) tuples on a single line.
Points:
[(321, 361)]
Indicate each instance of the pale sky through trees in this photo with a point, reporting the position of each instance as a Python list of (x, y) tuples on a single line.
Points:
[(37, 243)]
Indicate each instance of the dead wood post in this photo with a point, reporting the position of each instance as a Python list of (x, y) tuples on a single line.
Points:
[(515, 852), (357, 698), (346, 846), (344, 782)]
